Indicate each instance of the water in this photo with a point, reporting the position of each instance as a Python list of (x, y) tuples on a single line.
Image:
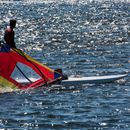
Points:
[(84, 38)]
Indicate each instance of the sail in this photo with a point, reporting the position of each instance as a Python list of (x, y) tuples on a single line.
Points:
[(19, 70)]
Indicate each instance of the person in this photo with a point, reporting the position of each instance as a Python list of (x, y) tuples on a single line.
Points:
[(9, 34)]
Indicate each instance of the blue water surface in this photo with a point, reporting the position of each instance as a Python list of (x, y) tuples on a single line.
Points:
[(85, 38)]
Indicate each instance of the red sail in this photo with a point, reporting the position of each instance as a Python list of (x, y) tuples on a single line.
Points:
[(18, 70)]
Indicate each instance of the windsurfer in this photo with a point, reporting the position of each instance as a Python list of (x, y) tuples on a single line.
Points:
[(9, 34)]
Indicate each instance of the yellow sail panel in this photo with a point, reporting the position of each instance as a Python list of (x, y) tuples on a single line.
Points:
[(4, 84)]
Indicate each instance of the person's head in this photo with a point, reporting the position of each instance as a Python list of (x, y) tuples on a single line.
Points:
[(12, 23)]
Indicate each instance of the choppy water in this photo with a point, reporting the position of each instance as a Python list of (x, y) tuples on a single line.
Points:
[(84, 38)]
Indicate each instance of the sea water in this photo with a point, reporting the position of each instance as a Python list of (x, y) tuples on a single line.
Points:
[(84, 38)]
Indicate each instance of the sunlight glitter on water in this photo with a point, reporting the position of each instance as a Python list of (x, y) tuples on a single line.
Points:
[(85, 38)]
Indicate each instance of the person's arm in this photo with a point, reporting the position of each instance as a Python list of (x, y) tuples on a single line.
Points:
[(13, 41), (5, 35)]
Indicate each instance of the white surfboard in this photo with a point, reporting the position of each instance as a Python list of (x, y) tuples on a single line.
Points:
[(93, 79), (84, 80)]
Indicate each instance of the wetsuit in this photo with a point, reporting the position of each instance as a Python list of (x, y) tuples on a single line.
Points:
[(9, 37)]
